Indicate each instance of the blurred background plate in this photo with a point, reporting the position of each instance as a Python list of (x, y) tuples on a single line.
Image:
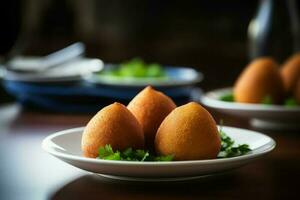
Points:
[(175, 76), (261, 116), (74, 85), (81, 97)]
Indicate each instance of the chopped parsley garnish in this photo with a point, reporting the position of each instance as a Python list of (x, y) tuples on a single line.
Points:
[(229, 149), (129, 154)]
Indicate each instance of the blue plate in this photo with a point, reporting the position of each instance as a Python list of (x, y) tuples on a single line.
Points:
[(81, 97), (94, 92)]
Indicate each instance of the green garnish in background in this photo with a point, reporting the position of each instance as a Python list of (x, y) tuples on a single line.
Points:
[(136, 68), (227, 97), (290, 102), (267, 100)]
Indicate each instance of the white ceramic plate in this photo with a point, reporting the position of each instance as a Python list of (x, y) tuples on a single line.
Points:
[(176, 76), (66, 146), (262, 116), (66, 72)]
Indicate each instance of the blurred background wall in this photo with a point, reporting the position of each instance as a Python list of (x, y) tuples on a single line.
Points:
[(209, 35)]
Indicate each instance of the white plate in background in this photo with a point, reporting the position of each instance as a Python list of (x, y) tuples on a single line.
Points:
[(69, 71), (261, 115)]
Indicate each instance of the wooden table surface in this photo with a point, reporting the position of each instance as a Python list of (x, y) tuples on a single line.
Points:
[(27, 172)]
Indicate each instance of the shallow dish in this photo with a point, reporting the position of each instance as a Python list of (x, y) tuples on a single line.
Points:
[(175, 76), (65, 145), (262, 116)]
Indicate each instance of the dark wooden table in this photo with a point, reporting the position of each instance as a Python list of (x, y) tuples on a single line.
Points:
[(27, 172)]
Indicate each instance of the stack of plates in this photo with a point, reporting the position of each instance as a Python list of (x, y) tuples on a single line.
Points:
[(73, 87)]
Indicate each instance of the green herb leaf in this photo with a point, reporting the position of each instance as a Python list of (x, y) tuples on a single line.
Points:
[(290, 102), (164, 158), (114, 156), (145, 156), (135, 67), (155, 70), (267, 100), (228, 149), (129, 154), (227, 97), (107, 153)]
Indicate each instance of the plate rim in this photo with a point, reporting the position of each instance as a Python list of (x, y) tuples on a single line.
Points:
[(268, 147)]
